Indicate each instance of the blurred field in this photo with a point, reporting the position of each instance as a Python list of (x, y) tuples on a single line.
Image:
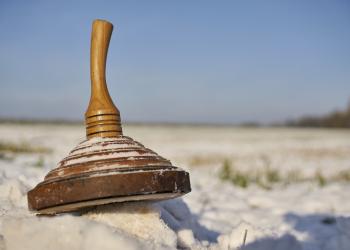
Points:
[(248, 149)]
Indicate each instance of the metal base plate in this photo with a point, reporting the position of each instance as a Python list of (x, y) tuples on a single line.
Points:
[(88, 204)]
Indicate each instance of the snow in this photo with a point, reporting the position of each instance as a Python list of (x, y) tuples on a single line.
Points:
[(215, 215)]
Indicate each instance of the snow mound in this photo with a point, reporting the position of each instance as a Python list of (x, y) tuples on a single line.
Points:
[(63, 232), (13, 192), (141, 220), (168, 223)]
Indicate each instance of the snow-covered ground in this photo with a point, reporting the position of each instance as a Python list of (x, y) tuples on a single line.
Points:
[(215, 215)]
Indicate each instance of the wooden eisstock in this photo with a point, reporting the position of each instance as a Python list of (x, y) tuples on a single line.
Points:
[(102, 118), (108, 167)]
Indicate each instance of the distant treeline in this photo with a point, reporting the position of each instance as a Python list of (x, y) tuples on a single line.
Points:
[(336, 119), (26, 121)]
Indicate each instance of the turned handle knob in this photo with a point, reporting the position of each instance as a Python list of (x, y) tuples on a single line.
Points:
[(102, 117)]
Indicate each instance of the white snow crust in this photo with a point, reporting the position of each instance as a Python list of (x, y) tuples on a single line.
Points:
[(215, 215)]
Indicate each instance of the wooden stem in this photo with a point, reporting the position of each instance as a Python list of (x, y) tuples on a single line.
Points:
[(102, 117)]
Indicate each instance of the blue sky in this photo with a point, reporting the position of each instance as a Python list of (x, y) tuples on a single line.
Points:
[(178, 61)]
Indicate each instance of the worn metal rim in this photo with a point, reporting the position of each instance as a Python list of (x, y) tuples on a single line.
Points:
[(79, 192)]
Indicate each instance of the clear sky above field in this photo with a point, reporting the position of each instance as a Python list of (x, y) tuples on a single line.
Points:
[(178, 61)]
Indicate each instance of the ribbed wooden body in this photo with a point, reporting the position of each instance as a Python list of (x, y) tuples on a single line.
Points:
[(104, 170), (101, 155)]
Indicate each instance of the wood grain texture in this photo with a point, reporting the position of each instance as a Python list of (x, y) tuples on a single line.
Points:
[(102, 117)]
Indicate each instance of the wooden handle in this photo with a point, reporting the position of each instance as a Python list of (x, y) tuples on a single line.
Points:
[(102, 117)]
